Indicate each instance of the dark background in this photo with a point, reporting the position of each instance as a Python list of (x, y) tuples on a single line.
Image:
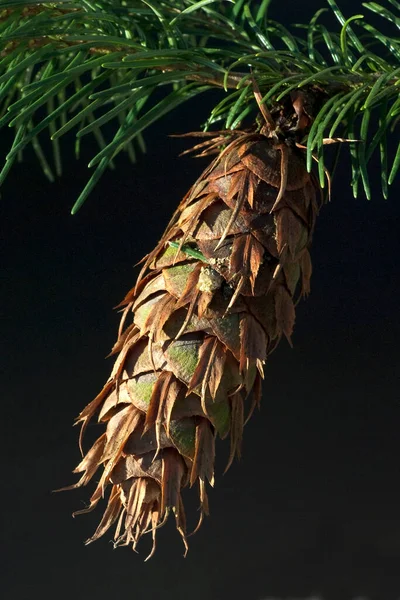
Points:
[(313, 507)]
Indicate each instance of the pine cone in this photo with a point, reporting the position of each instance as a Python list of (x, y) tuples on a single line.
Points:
[(212, 302)]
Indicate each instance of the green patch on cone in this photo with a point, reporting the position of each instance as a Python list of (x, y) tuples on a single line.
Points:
[(183, 435)]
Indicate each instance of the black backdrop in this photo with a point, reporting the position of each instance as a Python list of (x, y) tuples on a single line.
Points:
[(313, 507)]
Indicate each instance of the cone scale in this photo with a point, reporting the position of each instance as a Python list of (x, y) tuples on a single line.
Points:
[(212, 301)]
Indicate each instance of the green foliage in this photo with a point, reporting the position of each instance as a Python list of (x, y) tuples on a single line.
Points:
[(94, 66)]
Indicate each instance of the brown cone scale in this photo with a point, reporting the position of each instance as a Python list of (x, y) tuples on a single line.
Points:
[(212, 301)]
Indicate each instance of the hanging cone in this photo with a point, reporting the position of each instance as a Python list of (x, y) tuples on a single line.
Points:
[(212, 301)]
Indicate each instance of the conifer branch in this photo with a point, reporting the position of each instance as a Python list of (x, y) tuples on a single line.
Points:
[(76, 65)]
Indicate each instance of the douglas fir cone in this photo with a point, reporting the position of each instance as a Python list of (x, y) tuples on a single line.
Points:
[(212, 301)]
